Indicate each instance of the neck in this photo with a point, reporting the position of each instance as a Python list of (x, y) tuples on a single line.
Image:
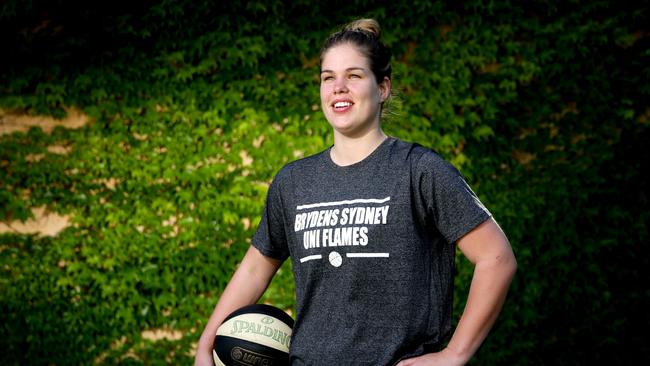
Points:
[(350, 150)]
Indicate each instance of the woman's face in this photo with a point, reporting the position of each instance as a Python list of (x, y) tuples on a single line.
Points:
[(350, 96)]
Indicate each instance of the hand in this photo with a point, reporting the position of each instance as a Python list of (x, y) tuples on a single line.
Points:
[(445, 357)]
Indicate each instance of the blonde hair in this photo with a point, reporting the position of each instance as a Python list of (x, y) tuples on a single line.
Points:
[(364, 25)]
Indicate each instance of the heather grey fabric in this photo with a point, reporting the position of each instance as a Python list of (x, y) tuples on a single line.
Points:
[(372, 247)]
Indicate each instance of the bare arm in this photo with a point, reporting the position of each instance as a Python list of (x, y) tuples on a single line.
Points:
[(246, 286), (489, 250)]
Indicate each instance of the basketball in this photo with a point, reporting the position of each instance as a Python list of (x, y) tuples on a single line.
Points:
[(253, 335)]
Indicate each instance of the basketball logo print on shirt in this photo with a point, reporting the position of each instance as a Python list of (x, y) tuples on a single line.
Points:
[(335, 259), (340, 224)]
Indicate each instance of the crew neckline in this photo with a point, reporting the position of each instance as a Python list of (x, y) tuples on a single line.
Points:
[(364, 161)]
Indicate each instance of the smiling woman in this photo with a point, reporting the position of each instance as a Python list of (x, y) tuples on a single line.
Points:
[(374, 269)]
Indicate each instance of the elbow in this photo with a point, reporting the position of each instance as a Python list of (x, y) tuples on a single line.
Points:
[(507, 263), (503, 265), (511, 265)]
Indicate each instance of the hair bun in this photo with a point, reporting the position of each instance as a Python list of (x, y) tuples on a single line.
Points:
[(364, 25)]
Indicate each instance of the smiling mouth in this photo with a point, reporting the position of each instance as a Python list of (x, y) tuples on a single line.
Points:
[(342, 106)]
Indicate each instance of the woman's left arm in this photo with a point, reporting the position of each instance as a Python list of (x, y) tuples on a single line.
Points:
[(489, 250)]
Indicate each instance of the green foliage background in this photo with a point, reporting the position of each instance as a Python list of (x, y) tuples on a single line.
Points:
[(195, 105)]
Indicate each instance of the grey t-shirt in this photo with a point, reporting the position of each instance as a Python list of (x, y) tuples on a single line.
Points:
[(372, 247)]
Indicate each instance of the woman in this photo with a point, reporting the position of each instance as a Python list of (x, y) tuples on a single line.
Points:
[(371, 226)]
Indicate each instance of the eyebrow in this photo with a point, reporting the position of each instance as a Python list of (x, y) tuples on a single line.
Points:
[(348, 69)]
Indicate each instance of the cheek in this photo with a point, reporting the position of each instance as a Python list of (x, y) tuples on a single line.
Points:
[(367, 91), (323, 93)]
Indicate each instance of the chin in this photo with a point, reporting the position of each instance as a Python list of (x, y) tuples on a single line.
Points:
[(343, 126), (350, 128), (337, 123), (350, 131)]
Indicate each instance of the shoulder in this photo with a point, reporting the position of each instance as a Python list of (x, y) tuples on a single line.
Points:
[(421, 159), (404, 151), (430, 161), (299, 167)]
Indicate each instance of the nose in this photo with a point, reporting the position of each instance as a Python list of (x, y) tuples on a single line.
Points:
[(340, 85)]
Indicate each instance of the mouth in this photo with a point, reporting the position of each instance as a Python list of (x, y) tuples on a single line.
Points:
[(342, 105)]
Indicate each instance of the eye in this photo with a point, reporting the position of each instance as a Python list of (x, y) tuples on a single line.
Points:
[(327, 78), (354, 76)]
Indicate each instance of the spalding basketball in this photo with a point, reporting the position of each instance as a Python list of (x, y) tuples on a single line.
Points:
[(253, 335)]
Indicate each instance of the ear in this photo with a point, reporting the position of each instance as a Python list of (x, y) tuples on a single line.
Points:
[(384, 89)]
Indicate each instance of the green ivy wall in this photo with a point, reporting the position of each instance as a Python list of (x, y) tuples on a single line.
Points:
[(194, 106)]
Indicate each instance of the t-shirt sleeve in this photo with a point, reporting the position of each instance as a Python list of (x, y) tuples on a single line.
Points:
[(448, 200), (270, 238)]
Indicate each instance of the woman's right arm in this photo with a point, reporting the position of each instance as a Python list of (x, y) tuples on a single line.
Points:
[(246, 286)]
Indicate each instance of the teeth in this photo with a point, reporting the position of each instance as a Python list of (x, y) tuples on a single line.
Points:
[(342, 104)]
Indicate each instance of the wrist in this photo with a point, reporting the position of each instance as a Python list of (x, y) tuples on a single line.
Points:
[(459, 356), (205, 343)]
